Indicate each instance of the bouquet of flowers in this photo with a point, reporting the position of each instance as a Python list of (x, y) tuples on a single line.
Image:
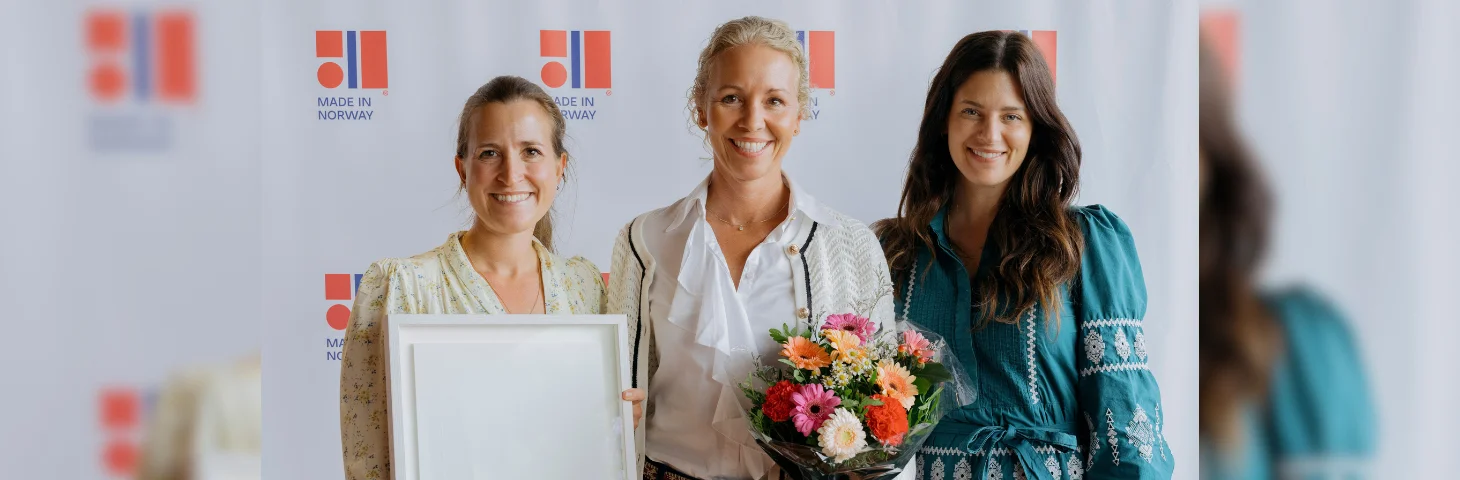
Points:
[(848, 401)]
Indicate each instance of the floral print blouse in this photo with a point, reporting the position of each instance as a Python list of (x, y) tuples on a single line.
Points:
[(439, 281)]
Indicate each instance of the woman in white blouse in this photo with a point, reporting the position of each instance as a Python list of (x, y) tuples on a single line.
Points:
[(510, 162), (703, 280)]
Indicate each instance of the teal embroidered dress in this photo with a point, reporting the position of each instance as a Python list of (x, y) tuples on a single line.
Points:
[(1068, 402), (1317, 422)]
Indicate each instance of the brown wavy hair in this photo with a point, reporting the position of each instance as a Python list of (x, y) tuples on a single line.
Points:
[(1237, 345), (1033, 227), (507, 89)]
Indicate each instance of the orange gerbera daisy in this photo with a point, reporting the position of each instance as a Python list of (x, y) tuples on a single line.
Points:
[(846, 346), (805, 354), (896, 382)]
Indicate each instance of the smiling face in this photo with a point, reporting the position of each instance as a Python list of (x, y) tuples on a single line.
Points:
[(750, 111), (988, 129), (511, 171)]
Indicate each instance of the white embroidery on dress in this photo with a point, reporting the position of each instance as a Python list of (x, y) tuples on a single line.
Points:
[(1141, 433), (918, 467), (1113, 322), (1094, 346), (936, 472), (1053, 465), (1122, 346), (907, 300), (1019, 472), (1160, 437), (997, 452), (1029, 358), (1077, 471), (1110, 434), (1140, 345), (1113, 367), (995, 470), (962, 471), (941, 451), (1094, 441)]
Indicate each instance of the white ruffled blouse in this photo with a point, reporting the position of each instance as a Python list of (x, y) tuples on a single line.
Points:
[(698, 332)]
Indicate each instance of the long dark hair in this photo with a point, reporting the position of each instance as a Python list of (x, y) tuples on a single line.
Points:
[(1237, 343), (506, 89), (1033, 228)]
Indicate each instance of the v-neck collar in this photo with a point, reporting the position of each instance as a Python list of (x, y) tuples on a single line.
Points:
[(481, 291), (939, 225)]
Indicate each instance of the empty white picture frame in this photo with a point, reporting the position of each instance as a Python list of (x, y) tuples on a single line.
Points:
[(509, 397)]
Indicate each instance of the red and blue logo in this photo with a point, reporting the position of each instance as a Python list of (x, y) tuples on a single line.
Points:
[(364, 55), (121, 411), (340, 287), (140, 63), (149, 55), (588, 54), (358, 61), (820, 48), (1046, 41)]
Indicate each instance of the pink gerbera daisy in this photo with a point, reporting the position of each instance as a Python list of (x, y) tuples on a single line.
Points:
[(913, 343), (813, 406), (850, 322)]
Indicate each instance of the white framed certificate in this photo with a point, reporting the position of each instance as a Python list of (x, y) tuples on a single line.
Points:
[(509, 397)]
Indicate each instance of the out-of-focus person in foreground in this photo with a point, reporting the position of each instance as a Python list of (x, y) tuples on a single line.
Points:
[(1283, 390)]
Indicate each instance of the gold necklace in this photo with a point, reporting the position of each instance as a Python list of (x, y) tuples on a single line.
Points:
[(498, 294), (532, 308), (741, 226)]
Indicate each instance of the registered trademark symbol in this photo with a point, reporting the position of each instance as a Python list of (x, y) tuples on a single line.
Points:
[(385, 92), (833, 93), (608, 92)]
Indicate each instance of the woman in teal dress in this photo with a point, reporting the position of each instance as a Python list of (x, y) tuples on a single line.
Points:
[(1284, 392), (1041, 301)]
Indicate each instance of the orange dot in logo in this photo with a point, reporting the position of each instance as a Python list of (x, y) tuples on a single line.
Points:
[(120, 458), (554, 75), (338, 316), (330, 75), (107, 82)]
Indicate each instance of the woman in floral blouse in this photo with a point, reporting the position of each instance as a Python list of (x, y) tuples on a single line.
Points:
[(511, 163)]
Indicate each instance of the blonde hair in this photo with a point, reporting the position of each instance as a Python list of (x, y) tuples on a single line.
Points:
[(750, 31)]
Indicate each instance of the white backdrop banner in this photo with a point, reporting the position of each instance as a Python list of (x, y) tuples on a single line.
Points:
[(360, 99), (131, 212)]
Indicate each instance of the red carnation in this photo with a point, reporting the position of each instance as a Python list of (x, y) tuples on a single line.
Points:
[(778, 403), (887, 421)]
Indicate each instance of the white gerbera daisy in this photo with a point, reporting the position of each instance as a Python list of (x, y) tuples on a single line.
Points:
[(842, 436)]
